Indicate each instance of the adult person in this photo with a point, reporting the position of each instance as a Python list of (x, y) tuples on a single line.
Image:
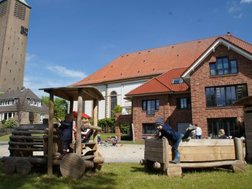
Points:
[(66, 132), (165, 130), (222, 134), (198, 132)]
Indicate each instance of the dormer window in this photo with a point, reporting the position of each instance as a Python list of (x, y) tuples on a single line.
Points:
[(223, 66), (177, 81)]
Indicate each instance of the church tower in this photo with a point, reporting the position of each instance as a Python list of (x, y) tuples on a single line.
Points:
[(14, 21)]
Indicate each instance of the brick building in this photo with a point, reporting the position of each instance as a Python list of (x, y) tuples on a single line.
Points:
[(192, 82), (202, 93)]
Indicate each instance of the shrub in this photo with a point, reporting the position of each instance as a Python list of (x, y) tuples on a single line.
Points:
[(107, 124), (10, 123)]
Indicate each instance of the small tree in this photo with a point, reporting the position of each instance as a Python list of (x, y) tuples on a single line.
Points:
[(10, 123), (117, 109), (106, 124), (60, 106)]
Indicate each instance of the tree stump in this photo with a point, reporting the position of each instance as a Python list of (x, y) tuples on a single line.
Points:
[(72, 166), (238, 166), (9, 166), (23, 167), (174, 170)]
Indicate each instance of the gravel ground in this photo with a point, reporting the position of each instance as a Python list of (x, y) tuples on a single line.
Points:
[(122, 153), (118, 153)]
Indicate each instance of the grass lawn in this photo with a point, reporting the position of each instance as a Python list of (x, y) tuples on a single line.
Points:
[(4, 138), (132, 176)]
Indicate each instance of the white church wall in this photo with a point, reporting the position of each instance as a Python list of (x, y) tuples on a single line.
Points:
[(121, 90)]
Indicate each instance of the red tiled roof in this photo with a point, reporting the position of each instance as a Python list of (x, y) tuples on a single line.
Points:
[(161, 84), (156, 61)]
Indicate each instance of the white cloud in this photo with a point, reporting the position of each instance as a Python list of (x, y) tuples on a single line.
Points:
[(235, 9), (65, 72), (246, 1), (45, 74), (30, 57)]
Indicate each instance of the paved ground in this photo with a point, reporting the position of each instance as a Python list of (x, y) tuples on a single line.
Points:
[(4, 149), (123, 153), (119, 153)]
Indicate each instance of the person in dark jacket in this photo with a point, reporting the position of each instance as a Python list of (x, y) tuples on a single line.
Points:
[(66, 127), (165, 130)]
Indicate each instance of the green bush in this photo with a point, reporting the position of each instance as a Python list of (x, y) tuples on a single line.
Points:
[(125, 128), (3, 121), (10, 123), (107, 124)]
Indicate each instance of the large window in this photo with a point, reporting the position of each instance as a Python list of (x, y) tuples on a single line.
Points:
[(223, 66), (228, 124), (113, 102), (149, 128), (224, 95), (183, 103), (150, 106)]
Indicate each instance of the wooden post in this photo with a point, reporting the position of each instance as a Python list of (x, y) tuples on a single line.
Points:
[(78, 137), (166, 147), (95, 116), (95, 112), (50, 135), (239, 149)]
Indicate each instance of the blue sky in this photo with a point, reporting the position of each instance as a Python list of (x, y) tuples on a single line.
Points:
[(70, 39)]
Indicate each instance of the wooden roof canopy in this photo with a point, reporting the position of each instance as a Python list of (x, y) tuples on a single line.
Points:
[(72, 92)]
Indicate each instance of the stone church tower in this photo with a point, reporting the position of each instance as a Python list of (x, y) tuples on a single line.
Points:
[(14, 21)]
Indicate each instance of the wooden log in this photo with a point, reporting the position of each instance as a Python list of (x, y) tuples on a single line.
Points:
[(239, 149), (79, 122), (174, 170), (25, 143), (50, 135), (14, 137), (206, 164), (88, 164), (26, 149), (28, 132), (98, 158), (23, 167), (72, 166), (33, 160), (9, 165), (88, 157), (238, 166)]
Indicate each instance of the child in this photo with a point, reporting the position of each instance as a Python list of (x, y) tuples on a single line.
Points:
[(66, 132)]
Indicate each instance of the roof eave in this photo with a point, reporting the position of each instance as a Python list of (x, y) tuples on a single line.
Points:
[(220, 41)]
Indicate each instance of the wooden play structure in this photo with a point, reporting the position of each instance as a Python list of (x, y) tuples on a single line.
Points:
[(227, 153), (35, 146)]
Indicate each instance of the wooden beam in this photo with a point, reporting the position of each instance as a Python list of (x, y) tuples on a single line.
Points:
[(95, 112), (239, 149), (78, 137), (50, 135)]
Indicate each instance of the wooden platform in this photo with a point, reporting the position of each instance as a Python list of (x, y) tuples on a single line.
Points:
[(194, 154)]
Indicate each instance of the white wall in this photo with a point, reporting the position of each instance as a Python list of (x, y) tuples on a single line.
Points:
[(120, 88)]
